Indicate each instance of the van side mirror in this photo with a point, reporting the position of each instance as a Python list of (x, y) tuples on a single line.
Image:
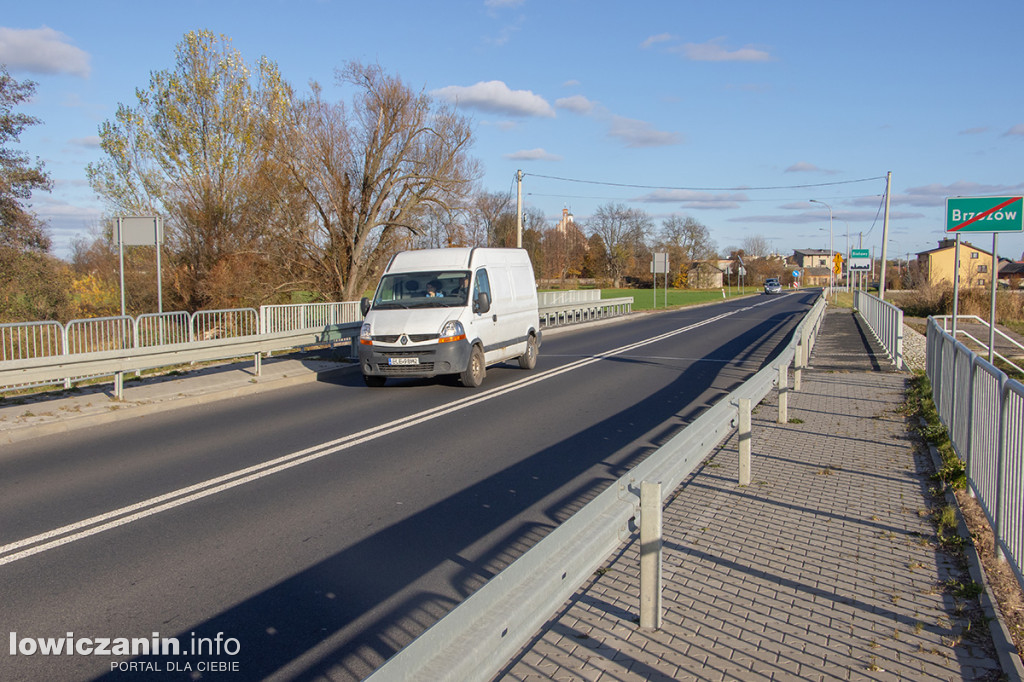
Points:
[(482, 304), (364, 306)]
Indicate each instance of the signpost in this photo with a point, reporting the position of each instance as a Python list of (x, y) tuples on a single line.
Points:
[(659, 265), (860, 259), (837, 263), (982, 214), (140, 231)]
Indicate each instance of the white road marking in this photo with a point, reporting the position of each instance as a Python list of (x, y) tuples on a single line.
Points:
[(79, 530)]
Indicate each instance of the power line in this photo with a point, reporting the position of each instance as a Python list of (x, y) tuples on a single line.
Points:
[(704, 189)]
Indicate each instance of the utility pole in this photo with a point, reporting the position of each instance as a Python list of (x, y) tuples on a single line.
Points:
[(885, 234), (519, 209)]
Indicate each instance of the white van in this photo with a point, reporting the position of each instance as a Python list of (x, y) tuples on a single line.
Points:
[(450, 311)]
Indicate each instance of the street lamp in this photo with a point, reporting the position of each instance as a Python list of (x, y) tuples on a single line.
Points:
[(830, 250), (847, 254)]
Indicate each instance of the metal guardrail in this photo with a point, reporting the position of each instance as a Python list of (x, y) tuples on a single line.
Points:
[(885, 321), (43, 353), (490, 626), (983, 411)]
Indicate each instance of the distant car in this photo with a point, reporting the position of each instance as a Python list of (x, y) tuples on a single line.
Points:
[(772, 286)]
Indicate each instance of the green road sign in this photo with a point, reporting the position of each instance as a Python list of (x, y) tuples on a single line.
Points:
[(985, 214), (860, 259)]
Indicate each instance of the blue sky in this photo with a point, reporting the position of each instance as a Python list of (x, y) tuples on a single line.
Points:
[(733, 113)]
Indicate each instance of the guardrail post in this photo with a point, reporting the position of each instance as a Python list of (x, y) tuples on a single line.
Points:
[(798, 365), (257, 361), (118, 385), (783, 394), (744, 440), (650, 555)]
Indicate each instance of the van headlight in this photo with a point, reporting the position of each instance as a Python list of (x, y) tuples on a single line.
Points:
[(364, 335), (452, 330)]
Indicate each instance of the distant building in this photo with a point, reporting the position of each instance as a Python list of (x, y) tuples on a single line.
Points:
[(705, 275), (565, 223), (937, 265), (811, 258)]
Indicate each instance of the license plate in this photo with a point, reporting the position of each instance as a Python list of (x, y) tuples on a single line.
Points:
[(403, 361)]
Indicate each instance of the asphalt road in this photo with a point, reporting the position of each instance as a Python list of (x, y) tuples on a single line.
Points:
[(320, 528)]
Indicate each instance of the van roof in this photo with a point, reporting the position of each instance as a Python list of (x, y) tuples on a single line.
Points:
[(438, 259)]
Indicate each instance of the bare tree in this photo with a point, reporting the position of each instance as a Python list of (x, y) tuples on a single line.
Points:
[(370, 175), (686, 241), (623, 231), (756, 246)]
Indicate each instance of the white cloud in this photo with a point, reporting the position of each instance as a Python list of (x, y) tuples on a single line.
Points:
[(641, 133), (43, 51), (497, 98), (578, 104), (654, 40), (90, 142), (805, 167), (712, 51), (1016, 130), (499, 4), (975, 131), (537, 154), (936, 194), (694, 198), (571, 83)]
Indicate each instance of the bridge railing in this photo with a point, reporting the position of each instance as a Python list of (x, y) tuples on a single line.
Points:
[(885, 321), (45, 353), (983, 411), (477, 638)]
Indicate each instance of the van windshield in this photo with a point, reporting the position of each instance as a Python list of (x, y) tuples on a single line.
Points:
[(429, 289)]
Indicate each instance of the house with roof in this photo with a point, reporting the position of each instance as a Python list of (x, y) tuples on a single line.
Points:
[(937, 265)]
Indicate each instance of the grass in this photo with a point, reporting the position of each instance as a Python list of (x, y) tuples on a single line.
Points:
[(643, 299)]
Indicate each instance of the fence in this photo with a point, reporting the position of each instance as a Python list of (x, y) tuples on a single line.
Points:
[(167, 338), (550, 298), (983, 410), (886, 322), (476, 638)]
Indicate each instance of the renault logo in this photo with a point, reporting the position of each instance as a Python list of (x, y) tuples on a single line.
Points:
[(404, 340)]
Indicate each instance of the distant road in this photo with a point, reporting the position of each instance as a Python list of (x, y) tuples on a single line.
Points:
[(321, 527)]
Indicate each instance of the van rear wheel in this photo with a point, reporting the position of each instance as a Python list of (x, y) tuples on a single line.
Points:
[(528, 360), (475, 371)]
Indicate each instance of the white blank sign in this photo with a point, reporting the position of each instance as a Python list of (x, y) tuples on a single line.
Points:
[(141, 231)]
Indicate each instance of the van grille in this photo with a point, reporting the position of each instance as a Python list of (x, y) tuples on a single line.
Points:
[(415, 338)]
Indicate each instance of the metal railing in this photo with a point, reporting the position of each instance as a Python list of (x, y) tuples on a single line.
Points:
[(551, 298), (474, 640), (885, 321), (584, 311), (946, 321), (983, 410), (19, 340), (42, 353), (274, 318)]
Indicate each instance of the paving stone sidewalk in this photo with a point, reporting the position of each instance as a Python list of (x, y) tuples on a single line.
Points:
[(824, 568)]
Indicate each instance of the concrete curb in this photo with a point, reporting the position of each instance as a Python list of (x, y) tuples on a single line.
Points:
[(131, 410)]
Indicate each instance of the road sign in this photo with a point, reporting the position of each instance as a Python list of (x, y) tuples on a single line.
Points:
[(985, 214), (796, 274), (860, 259)]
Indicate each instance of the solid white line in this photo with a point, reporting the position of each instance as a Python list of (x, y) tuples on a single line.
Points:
[(140, 510)]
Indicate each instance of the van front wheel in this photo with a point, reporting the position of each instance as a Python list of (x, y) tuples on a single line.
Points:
[(474, 373), (528, 360)]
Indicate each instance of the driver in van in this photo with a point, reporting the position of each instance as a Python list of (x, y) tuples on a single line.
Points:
[(434, 290)]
